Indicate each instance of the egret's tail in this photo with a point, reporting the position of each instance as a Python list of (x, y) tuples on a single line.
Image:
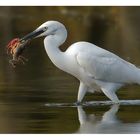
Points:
[(136, 76)]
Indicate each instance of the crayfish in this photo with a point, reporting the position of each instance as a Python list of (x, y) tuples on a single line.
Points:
[(16, 48)]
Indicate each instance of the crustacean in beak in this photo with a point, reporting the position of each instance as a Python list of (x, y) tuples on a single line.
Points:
[(16, 48)]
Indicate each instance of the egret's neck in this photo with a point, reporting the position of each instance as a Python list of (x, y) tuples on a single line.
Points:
[(52, 44)]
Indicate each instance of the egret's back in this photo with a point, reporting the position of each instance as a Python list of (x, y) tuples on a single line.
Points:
[(104, 65)]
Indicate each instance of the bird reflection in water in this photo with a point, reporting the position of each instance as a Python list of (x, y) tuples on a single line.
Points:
[(109, 123)]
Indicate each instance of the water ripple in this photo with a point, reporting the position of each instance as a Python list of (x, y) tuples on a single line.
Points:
[(94, 103)]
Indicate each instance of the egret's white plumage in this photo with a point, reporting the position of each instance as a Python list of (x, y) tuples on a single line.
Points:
[(96, 69)]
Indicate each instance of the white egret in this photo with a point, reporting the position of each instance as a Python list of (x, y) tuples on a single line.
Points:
[(96, 69)]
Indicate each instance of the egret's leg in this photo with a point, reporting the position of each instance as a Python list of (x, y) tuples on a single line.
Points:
[(111, 95), (81, 92), (81, 115), (110, 115)]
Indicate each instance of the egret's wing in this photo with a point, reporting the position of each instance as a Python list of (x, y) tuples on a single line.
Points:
[(106, 66)]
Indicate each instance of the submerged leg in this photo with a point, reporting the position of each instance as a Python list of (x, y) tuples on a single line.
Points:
[(81, 92)]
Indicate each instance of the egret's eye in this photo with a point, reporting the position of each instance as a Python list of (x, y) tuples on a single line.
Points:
[(45, 28)]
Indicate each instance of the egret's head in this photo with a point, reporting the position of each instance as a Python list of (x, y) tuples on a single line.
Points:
[(47, 29)]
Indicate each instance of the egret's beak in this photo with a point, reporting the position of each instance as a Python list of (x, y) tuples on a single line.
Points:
[(33, 34)]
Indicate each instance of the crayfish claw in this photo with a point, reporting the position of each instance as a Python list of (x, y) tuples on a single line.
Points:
[(13, 63)]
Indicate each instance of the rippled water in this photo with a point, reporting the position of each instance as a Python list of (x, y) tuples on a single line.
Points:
[(34, 108), (39, 98)]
